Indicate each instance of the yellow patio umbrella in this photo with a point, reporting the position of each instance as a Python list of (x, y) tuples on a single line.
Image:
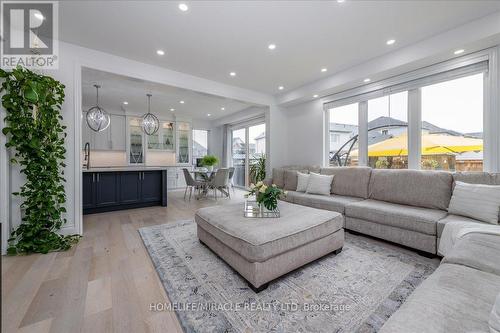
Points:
[(432, 144)]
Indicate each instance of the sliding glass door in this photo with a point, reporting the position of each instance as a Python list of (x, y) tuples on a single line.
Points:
[(248, 144), (239, 148)]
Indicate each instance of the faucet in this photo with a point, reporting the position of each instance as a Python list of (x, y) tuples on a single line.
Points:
[(86, 159)]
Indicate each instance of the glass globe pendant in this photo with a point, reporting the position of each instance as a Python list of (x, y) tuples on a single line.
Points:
[(150, 123), (97, 118)]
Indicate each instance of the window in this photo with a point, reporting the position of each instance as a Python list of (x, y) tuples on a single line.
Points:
[(452, 125), (431, 119), (200, 144), (388, 132), (344, 135)]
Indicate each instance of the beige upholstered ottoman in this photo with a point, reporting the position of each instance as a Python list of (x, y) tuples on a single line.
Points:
[(263, 249)]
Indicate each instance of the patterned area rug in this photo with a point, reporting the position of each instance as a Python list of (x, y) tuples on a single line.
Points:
[(355, 291)]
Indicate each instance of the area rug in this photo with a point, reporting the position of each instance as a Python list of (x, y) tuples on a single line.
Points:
[(355, 291)]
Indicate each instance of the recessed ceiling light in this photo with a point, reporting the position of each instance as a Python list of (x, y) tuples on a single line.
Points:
[(39, 16), (459, 51), (183, 7), (271, 46), (367, 80), (390, 41), (315, 96), (232, 74), (160, 52), (208, 114), (340, 1), (324, 70), (222, 108), (182, 102), (172, 109), (126, 103), (281, 87)]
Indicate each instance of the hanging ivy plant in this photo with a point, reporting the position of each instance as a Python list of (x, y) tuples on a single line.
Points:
[(36, 138)]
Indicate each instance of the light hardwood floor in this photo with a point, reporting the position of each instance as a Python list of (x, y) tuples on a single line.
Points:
[(104, 284)]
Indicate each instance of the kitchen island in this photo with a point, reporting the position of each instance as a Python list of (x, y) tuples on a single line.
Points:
[(116, 188)]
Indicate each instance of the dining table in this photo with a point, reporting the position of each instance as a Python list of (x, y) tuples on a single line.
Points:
[(205, 176)]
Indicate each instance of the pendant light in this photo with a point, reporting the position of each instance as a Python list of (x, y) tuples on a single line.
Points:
[(97, 118), (150, 123)]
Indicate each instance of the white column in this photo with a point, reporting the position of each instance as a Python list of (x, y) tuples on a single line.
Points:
[(491, 119), (414, 128), (363, 133)]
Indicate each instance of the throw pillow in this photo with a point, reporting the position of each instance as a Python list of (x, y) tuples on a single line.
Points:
[(478, 201), (319, 184), (302, 181), (494, 321)]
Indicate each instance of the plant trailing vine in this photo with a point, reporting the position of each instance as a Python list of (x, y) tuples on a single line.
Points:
[(36, 138)]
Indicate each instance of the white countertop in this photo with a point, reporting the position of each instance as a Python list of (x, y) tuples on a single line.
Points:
[(126, 168)]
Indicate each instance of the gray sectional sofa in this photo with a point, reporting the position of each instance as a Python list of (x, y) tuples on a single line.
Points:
[(407, 207), (410, 208), (458, 296)]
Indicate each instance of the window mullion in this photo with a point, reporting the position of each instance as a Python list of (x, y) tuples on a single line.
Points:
[(414, 128), (363, 133)]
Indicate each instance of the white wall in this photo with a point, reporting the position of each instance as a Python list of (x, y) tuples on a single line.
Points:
[(305, 137)]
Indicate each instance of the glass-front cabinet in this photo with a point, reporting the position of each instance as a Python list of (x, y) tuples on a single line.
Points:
[(183, 142), (136, 146), (164, 138)]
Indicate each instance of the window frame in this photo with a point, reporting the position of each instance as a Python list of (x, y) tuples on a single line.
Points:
[(485, 61), (192, 142)]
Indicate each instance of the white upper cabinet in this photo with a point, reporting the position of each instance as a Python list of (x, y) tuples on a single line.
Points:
[(112, 138)]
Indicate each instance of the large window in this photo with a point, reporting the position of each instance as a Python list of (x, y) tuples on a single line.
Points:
[(388, 132), (200, 144), (344, 135), (431, 123), (452, 125)]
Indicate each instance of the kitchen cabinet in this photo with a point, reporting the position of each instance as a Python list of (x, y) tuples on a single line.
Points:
[(164, 138), (183, 155), (112, 138), (136, 141), (116, 190)]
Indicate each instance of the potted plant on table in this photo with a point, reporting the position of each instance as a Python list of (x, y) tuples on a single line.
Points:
[(209, 161), (265, 195)]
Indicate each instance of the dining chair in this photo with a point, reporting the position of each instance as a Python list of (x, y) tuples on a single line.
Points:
[(231, 174), (220, 182), (191, 183)]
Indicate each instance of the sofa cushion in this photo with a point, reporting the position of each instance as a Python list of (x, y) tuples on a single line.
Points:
[(257, 240), (302, 181), (470, 177), (334, 203), (454, 298), (478, 201), (349, 181), (279, 177), (452, 218), (479, 251), (429, 189), (290, 180), (418, 219), (319, 184)]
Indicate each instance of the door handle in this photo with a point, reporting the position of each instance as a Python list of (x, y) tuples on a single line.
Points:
[(98, 178), (93, 178), (139, 175), (143, 175)]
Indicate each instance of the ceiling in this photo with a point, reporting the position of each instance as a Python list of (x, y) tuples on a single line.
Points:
[(116, 89), (214, 38)]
